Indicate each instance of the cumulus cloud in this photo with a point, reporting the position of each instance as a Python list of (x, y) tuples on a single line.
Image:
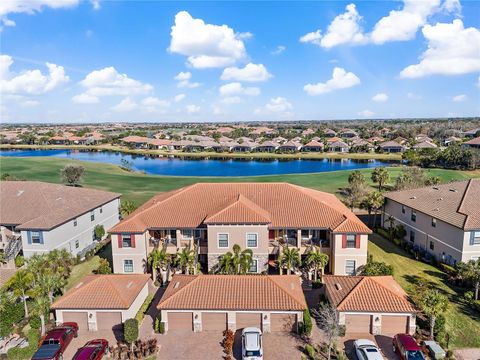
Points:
[(341, 79), (192, 109), (344, 29), (183, 79), (460, 98), (235, 88), (85, 99), (154, 104), (179, 97), (280, 49), (278, 106), (205, 45), (249, 73), (125, 105), (30, 82), (452, 50), (231, 100), (380, 97), (366, 113)]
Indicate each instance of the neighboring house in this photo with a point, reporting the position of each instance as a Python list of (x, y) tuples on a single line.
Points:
[(471, 133), (348, 133), (211, 217), (273, 303), (51, 216), (267, 146), (102, 302), (451, 140), (139, 142), (370, 304), (330, 133), (424, 145), (443, 220), (474, 143), (290, 146), (338, 146), (313, 146), (391, 147)]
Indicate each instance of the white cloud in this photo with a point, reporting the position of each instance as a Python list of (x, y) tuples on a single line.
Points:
[(231, 100), (340, 80), (366, 113), (154, 104), (452, 6), (460, 98), (95, 4), (30, 103), (251, 73), (344, 29), (452, 50), (183, 79), (192, 109), (380, 97), (125, 105), (85, 99), (30, 82), (179, 97), (280, 49), (278, 106), (235, 88), (206, 45), (413, 96)]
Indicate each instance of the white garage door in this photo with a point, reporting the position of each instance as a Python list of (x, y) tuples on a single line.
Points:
[(358, 323)]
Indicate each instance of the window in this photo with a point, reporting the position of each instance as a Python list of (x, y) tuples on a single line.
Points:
[(414, 215), (187, 233), (252, 240), (434, 222), (305, 234), (128, 266), (126, 240), (36, 237), (350, 267), (253, 266), (476, 238), (351, 243), (75, 222), (432, 246), (101, 209), (403, 209), (412, 236), (77, 244), (92, 215), (223, 240)]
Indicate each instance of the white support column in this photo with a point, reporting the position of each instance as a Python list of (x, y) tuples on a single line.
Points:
[(197, 321), (232, 320), (266, 322), (377, 324), (299, 238), (164, 316)]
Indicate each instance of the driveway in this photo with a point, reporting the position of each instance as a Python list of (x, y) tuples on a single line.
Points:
[(383, 342), (84, 337)]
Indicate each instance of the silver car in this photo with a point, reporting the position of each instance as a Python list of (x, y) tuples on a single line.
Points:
[(367, 350), (252, 344)]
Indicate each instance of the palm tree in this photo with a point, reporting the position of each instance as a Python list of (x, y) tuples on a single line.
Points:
[(48, 284), (290, 259), (21, 283), (225, 263), (126, 208), (157, 259), (60, 261), (41, 308), (242, 260), (186, 258), (433, 304), (471, 271), (317, 260), (373, 202), (381, 176)]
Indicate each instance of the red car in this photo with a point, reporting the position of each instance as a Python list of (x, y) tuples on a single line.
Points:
[(92, 350), (407, 348), (53, 345)]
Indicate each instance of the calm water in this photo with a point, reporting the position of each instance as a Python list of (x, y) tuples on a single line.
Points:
[(205, 167)]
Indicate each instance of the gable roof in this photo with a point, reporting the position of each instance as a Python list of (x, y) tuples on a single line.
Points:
[(113, 291), (367, 294), (390, 144), (234, 292), (43, 206), (278, 204)]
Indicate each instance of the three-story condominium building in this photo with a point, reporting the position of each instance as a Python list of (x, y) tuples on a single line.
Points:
[(443, 220), (211, 218)]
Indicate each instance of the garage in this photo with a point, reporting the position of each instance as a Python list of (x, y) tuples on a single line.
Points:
[(249, 320), (212, 321), (108, 320), (283, 322), (182, 321), (358, 323), (81, 318), (392, 325)]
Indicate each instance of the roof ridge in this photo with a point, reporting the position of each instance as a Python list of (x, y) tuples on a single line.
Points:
[(270, 277), (195, 278), (354, 289), (75, 289), (461, 203), (241, 199), (120, 295), (389, 289)]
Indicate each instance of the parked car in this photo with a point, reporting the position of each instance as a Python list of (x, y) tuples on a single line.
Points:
[(92, 350), (367, 350), (407, 348), (54, 343), (252, 344)]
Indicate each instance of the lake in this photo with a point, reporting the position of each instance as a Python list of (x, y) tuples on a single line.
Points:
[(205, 167)]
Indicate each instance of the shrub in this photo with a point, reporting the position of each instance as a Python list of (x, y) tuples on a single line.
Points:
[(317, 284), (141, 312), (26, 353), (227, 342), (450, 270), (99, 231), (310, 351), (383, 233), (376, 268), (35, 322), (103, 267), (161, 327), (306, 328), (439, 329), (12, 314), (130, 330), (19, 261), (468, 296), (342, 329)]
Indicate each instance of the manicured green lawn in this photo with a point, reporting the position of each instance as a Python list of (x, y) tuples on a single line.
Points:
[(140, 187), (82, 269), (462, 325)]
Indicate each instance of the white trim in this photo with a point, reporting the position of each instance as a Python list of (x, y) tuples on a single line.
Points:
[(218, 241), (133, 266), (246, 240)]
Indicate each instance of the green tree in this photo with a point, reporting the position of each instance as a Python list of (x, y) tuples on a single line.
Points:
[(41, 308), (130, 331), (289, 259), (356, 177), (103, 267), (156, 260), (317, 260), (20, 283), (72, 174), (225, 263), (432, 303), (242, 260), (186, 259), (126, 208), (470, 271), (373, 202), (99, 231), (376, 268), (381, 176)]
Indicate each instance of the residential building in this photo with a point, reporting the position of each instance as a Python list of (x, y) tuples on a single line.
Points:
[(442, 220), (273, 303), (212, 217), (424, 145), (370, 304), (313, 146), (42, 216), (473, 144), (338, 146), (391, 147)]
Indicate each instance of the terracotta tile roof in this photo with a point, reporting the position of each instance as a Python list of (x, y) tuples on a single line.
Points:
[(424, 145), (282, 204), (454, 203), (6, 274), (367, 294), (475, 141), (114, 291), (390, 143), (314, 143), (234, 292), (40, 205)]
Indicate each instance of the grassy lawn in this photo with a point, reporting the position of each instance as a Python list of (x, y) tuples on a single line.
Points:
[(462, 325), (140, 187), (82, 269)]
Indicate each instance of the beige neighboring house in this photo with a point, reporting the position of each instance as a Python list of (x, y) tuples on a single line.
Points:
[(102, 302), (370, 304), (273, 303), (37, 217), (444, 220), (211, 218)]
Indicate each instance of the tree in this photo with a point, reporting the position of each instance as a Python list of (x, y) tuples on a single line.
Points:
[(356, 177), (72, 174), (289, 259), (186, 259), (157, 259), (470, 271), (327, 319), (103, 267), (130, 331), (99, 231), (433, 304), (41, 308), (373, 202), (356, 190), (225, 263), (21, 283), (381, 176), (317, 260), (376, 268), (242, 260), (126, 208)]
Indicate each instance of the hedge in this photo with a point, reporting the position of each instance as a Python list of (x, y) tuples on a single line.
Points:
[(141, 312)]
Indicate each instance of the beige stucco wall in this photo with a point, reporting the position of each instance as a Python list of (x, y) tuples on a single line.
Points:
[(340, 255), (137, 254), (237, 235)]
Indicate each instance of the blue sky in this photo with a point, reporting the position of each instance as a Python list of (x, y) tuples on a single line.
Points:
[(233, 61)]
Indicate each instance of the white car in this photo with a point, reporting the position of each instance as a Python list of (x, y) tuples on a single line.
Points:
[(367, 350), (252, 344)]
